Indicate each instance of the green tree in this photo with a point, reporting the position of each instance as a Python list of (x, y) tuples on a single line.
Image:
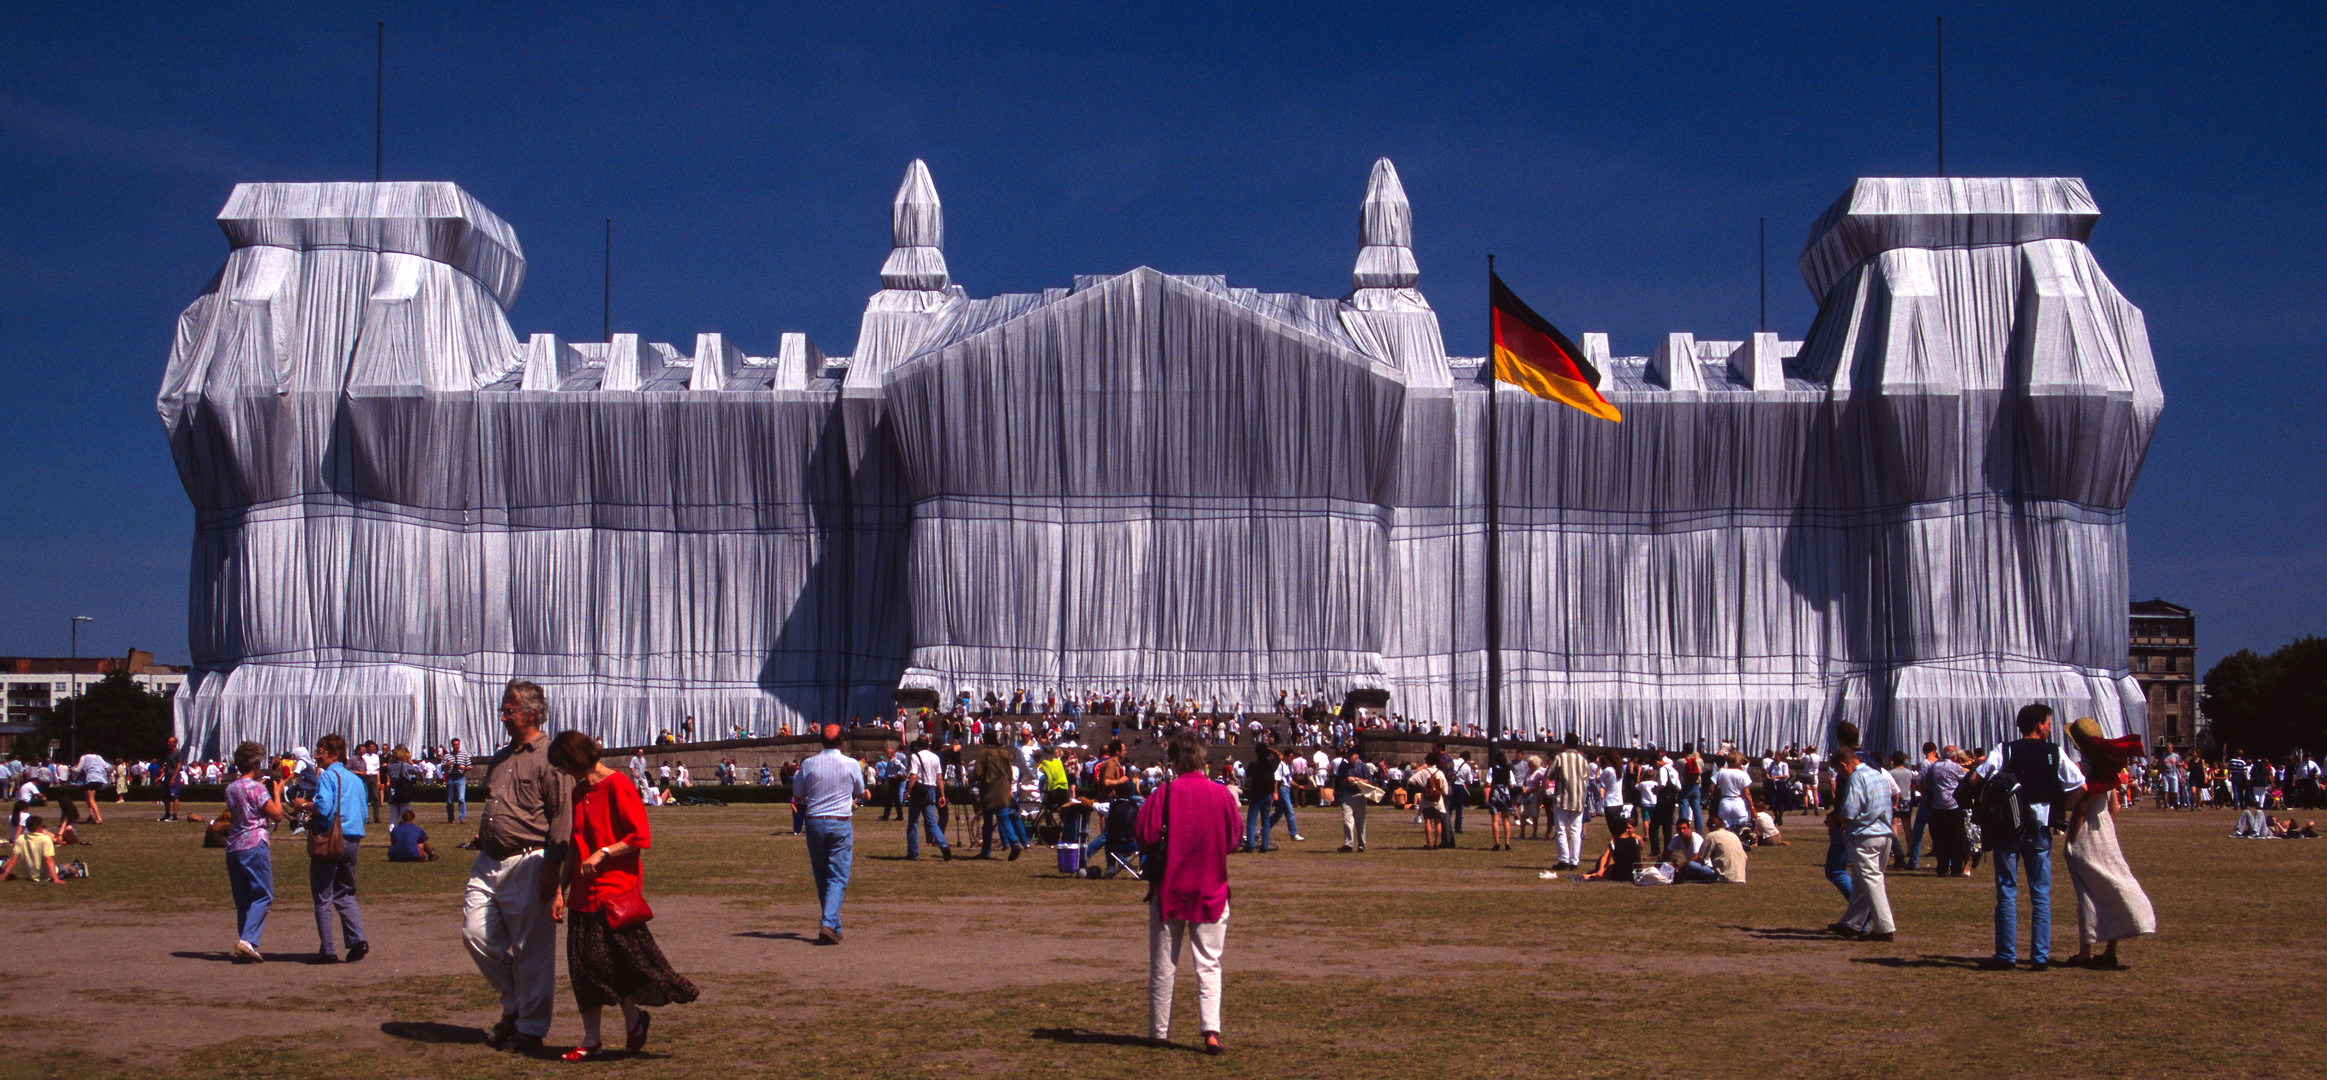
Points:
[(2270, 704), (118, 718)]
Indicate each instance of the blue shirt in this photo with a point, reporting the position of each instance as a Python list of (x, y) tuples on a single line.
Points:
[(1866, 807), (404, 842), (828, 784), (340, 794)]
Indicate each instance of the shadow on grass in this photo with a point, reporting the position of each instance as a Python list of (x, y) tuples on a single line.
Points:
[(1967, 963), (431, 1032), (215, 957), (1788, 933), (775, 935), (1087, 1037)]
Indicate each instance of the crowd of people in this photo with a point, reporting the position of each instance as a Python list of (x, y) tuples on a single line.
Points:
[(563, 831)]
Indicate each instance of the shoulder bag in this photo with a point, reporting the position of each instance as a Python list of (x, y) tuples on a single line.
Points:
[(1153, 857), (625, 909), (326, 844)]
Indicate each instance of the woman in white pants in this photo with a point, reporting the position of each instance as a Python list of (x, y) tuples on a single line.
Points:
[(1187, 895), (1733, 787)]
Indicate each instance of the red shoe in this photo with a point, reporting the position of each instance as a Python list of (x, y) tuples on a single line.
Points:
[(635, 1038), (581, 1054)]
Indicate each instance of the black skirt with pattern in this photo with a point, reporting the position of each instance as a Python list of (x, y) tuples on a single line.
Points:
[(607, 966)]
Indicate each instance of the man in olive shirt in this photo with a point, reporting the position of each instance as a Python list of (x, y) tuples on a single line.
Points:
[(512, 906)]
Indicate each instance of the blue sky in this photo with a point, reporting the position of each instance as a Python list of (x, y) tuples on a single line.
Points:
[(1616, 161)]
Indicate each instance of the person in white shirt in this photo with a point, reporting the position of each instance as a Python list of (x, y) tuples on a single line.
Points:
[(925, 803), (91, 772), (1733, 796), (1608, 793)]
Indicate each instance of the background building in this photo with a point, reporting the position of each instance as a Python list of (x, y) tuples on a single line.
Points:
[(1912, 519), (2162, 650), (32, 685)]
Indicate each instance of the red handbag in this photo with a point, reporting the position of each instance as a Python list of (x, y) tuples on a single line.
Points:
[(625, 910)]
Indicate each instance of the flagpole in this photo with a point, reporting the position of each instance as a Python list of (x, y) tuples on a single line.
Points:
[(1494, 553)]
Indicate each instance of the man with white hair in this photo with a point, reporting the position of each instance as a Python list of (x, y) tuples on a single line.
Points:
[(512, 904)]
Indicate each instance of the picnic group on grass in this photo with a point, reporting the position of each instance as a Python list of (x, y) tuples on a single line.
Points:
[(561, 833)]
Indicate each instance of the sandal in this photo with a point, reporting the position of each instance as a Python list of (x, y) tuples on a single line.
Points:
[(635, 1038), (583, 1053)]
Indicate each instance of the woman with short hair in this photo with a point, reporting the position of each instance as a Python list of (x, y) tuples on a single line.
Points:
[(1195, 818), (611, 956), (253, 805)]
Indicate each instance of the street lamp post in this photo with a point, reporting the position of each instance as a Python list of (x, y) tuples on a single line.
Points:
[(73, 673)]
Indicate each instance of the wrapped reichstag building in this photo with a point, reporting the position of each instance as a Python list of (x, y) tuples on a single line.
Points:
[(1913, 518)]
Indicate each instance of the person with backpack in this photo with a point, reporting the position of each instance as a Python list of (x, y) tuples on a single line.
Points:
[(2023, 787), (1692, 796)]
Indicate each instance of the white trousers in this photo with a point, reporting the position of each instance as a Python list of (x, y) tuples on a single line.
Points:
[(1353, 822), (1568, 825), (1164, 938), (505, 924), (1870, 903)]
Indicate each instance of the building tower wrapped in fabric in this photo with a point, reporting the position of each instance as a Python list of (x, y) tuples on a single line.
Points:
[(1913, 518)]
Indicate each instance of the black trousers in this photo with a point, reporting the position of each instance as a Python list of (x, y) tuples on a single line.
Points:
[(1950, 843)]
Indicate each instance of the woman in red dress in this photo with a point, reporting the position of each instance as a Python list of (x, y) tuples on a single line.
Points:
[(611, 957)]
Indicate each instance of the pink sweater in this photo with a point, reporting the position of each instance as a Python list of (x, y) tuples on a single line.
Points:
[(1204, 830)]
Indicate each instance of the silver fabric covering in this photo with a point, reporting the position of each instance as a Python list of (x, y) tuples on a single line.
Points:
[(1912, 519)]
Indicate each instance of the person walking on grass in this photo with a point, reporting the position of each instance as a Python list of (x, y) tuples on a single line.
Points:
[(1351, 778), (1194, 819), (996, 780), (512, 902), (254, 803), (611, 956), (925, 800), (827, 790), (1861, 820), (340, 804), (2042, 777)]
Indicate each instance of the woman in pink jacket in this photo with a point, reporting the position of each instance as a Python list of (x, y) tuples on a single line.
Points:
[(1188, 898)]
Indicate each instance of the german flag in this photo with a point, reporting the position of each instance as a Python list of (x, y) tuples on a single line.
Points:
[(1533, 355)]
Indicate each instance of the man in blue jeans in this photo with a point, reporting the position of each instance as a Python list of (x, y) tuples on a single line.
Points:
[(827, 790), (925, 800), (456, 783), (2045, 776)]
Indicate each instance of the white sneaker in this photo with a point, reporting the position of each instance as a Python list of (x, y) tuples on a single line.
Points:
[(247, 951)]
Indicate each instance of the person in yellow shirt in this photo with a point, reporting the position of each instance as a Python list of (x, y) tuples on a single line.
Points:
[(36, 851)]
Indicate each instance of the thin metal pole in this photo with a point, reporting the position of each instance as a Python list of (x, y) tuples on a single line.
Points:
[(73, 675), (1764, 275), (606, 293), (1939, 83), (379, 92), (1494, 552)]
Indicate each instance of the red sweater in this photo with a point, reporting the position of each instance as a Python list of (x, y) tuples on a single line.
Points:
[(607, 812), (1204, 829)]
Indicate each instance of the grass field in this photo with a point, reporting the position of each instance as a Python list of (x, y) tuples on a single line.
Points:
[(1397, 962)]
